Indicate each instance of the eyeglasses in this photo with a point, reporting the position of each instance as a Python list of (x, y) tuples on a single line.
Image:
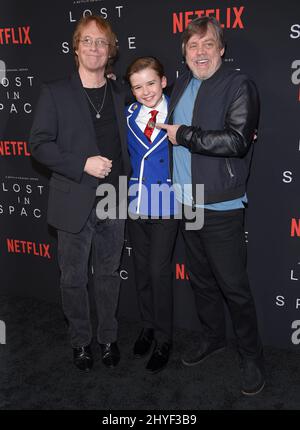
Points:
[(99, 43)]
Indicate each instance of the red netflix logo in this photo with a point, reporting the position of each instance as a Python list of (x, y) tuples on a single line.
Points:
[(15, 36), (16, 246), (180, 272), (295, 227), (231, 17), (14, 148)]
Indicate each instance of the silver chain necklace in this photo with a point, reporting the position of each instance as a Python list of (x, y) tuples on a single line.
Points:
[(102, 104)]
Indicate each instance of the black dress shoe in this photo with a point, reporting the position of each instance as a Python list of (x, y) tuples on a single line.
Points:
[(198, 355), (253, 376), (159, 357), (143, 343), (82, 358), (110, 354)]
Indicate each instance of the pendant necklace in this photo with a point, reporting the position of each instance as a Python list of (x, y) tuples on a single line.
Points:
[(102, 104)]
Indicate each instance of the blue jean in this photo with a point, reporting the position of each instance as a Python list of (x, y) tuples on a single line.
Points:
[(105, 239)]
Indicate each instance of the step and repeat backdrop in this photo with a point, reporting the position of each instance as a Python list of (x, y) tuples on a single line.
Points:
[(263, 40)]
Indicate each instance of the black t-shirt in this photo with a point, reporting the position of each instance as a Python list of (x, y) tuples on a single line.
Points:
[(107, 132)]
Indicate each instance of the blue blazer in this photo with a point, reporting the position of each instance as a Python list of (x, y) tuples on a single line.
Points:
[(150, 186)]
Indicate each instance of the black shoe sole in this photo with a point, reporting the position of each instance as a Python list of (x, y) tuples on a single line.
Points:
[(189, 364), (141, 355), (87, 370), (153, 372), (255, 392), (111, 365)]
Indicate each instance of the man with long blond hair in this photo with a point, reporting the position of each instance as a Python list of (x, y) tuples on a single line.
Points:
[(79, 134)]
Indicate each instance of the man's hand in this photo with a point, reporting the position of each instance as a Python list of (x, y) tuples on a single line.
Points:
[(98, 166), (171, 130)]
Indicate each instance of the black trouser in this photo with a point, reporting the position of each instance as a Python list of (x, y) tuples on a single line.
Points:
[(216, 263), (106, 239), (153, 244)]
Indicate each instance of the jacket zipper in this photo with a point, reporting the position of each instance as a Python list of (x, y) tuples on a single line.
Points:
[(229, 168)]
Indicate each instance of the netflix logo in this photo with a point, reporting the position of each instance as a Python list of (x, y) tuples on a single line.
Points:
[(16, 246), (231, 17), (15, 36), (180, 272), (14, 148), (295, 227)]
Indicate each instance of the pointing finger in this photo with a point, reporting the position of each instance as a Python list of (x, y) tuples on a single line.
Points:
[(162, 126)]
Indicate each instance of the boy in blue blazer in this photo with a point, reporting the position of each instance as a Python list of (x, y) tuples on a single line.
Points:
[(152, 225)]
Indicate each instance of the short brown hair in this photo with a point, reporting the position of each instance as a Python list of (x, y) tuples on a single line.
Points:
[(200, 26), (103, 26), (142, 63)]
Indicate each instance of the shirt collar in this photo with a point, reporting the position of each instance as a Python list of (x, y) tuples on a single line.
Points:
[(197, 79)]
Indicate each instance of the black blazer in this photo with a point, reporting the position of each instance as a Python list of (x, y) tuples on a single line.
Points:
[(62, 138)]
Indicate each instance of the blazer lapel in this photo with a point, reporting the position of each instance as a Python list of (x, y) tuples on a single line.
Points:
[(118, 97), (162, 133), (175, 96), (118, 100), (141, 138)]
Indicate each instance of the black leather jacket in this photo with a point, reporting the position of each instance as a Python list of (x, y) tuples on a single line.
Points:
[(224, 122)]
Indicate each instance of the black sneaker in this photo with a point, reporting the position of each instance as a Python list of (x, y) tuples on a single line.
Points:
[(253, 376)]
